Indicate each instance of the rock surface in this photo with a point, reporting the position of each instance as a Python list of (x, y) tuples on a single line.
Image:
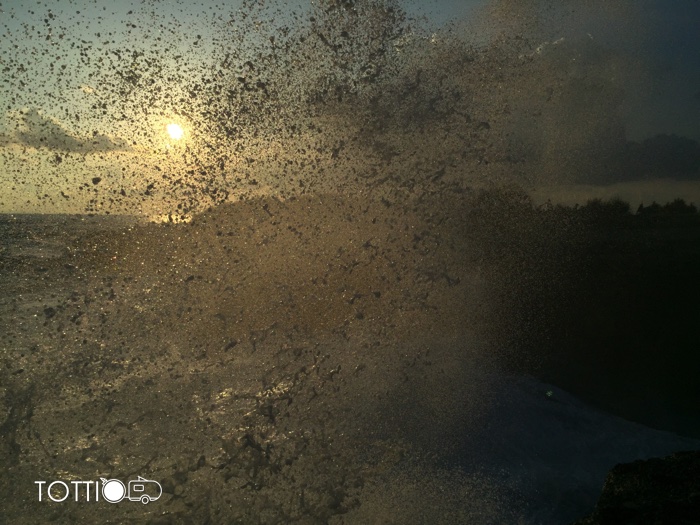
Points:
[(657, 491)]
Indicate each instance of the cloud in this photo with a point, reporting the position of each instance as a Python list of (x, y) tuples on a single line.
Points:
[(38, 131)]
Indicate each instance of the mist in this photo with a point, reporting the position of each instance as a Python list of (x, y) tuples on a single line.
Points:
[(525, 93), (394, 265)]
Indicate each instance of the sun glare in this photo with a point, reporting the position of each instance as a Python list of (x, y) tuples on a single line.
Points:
[(175, 131)]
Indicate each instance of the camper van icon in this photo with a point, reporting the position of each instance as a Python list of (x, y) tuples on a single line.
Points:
[(139, 489)]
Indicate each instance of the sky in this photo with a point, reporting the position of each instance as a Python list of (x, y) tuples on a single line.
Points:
[(68, 114)]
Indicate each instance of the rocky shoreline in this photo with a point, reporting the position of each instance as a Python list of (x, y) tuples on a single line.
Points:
[(663, 491)]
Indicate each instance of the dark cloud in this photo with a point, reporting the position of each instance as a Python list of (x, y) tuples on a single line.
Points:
[(621, 81), (664, 156), (39, 131)]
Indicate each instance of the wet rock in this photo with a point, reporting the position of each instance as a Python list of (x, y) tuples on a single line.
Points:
[(663, 491), (168, 485)]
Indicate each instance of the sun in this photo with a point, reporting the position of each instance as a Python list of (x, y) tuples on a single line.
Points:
[(175, 131)]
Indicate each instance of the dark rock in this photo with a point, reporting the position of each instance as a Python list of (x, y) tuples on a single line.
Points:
[(659, 491)]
